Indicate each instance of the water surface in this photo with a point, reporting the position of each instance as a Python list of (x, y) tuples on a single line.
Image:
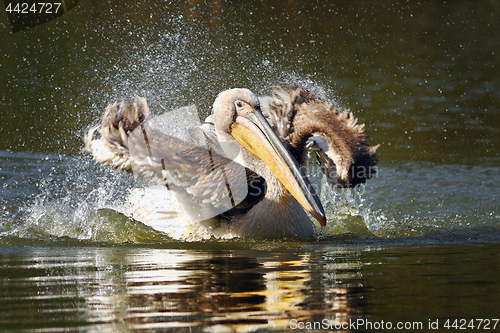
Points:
[(420, 243)]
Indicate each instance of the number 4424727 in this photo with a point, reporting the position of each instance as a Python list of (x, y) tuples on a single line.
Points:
[(463, 324), (35, 8)]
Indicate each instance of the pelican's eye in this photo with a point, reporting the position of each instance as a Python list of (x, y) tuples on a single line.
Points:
[(239, 104)]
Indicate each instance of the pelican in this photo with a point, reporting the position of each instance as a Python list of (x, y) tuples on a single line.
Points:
[(241, 171)]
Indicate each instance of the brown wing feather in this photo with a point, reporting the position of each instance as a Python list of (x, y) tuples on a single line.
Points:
[(304, 120)]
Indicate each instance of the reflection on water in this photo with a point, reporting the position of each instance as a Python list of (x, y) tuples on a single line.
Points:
[(123, 288), (130, 288)]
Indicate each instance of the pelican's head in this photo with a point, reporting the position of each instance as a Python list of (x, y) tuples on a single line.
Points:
[(239, 122)]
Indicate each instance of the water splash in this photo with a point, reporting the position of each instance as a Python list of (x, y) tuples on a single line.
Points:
[(73, 199), (435, 200), (63, 197)]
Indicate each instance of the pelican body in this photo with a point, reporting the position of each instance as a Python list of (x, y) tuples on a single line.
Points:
[(241, 174)]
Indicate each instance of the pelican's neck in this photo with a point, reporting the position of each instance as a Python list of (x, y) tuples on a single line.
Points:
[(278, 215)]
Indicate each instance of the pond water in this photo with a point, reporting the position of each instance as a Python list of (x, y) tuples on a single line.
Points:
[(418, 246)]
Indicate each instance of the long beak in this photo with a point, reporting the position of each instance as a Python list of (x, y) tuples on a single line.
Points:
[(255, 134)]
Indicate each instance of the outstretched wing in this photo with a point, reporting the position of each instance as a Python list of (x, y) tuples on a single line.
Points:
[(307, 123), (206, 183)]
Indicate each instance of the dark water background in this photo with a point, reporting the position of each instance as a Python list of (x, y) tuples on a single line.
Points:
[(420, 243)]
